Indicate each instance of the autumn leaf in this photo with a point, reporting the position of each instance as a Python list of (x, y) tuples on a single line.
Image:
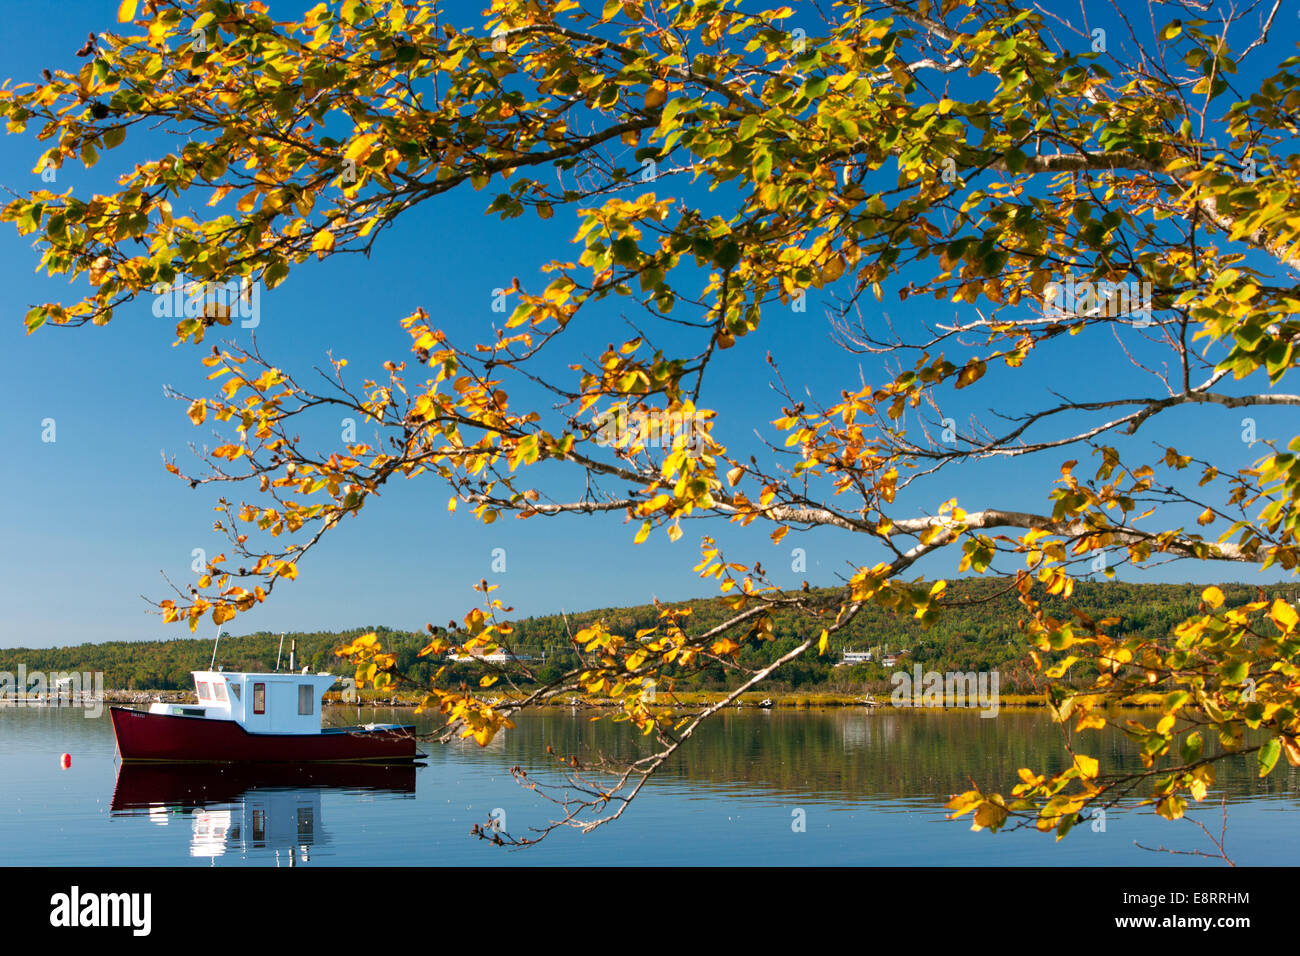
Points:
[(1284, 616)]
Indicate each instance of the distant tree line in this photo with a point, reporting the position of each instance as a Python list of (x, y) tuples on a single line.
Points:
[(980, 632)]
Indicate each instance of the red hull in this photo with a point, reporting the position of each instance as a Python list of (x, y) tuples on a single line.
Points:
[(165, 737)]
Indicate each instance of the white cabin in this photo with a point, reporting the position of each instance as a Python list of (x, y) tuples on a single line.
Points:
[(260, 703)]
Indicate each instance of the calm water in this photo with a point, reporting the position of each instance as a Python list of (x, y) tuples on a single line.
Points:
[(871, 788)]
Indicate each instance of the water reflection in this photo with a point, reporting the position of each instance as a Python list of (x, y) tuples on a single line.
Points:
[(249, 811), (845, 756), (873, 785)]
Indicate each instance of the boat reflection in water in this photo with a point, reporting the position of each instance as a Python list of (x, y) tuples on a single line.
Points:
[(249, 809)]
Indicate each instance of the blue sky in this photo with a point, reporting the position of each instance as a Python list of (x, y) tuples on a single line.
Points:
[(89, 521)]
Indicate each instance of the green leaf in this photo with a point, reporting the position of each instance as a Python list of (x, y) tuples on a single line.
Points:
[(625, 251), (728, 254), (1066, 825), (275, 274), (1268, 755), (1234, 673), (816, 87)]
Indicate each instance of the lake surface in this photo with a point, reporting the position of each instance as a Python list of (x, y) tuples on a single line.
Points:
[(870, 788)]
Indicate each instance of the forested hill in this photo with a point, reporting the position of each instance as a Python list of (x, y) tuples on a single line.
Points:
[(978, 632)]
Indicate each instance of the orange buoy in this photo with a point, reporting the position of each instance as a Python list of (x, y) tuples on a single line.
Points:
[(65, 761)]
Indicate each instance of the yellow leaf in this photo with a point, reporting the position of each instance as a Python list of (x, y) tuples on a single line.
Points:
[(126, 11), (323, 242), (970, 373), (361, 146), (964, 802), (98, 270), (1213, 597), (989, 815), (1171, 807), (1284, 616), (1088, 766), (198, 411)]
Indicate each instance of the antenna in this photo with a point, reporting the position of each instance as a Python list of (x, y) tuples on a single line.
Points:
[(213, 665), (279, 652)]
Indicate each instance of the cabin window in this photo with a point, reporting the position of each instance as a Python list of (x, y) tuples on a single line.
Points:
[(306, 699), (219, 691), (259, 816), (259, 698), (234, 689), (306, 825), (203, 690)]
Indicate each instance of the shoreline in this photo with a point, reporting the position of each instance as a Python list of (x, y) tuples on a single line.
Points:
[(783, 700)]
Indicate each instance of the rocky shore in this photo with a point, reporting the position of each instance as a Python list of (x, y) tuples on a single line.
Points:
[(148, 696)]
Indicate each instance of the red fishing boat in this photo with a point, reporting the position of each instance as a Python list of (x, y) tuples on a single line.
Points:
[(255, 718)]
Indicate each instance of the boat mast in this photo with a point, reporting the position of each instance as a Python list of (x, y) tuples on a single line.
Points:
[(279, 652), (213, 665)]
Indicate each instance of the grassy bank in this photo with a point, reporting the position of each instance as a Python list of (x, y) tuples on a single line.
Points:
[(790, 700)]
